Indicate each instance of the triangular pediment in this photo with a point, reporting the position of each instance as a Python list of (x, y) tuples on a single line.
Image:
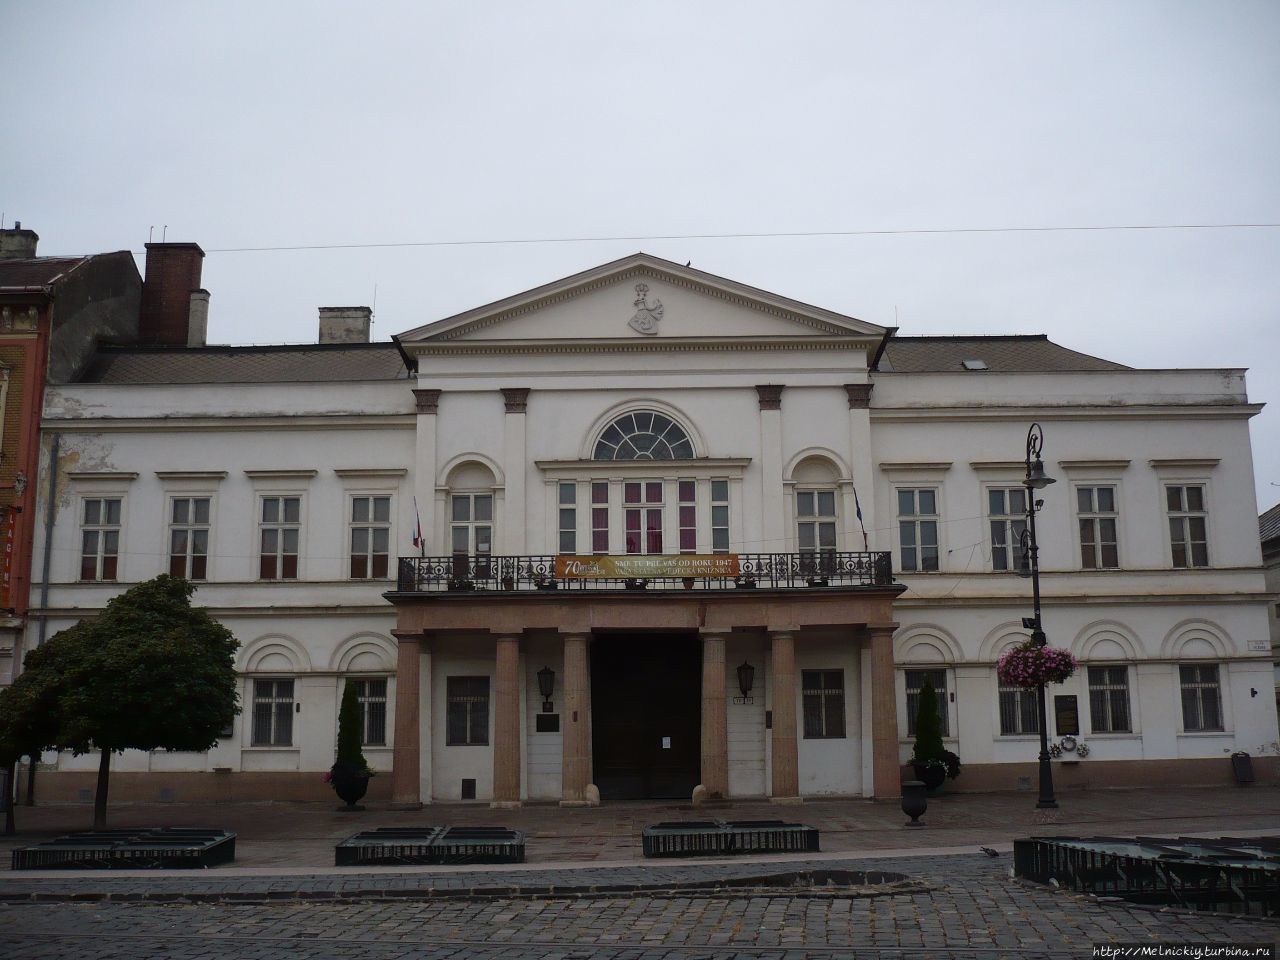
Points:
[(642, 297)]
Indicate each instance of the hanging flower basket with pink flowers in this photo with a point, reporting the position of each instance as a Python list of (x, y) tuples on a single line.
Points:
[(1027, 665)]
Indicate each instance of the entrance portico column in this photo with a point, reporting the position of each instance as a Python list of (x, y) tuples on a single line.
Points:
[(786, 771), (886, 769), (575, 770), (715, 746), (506, 724), (405, 761)]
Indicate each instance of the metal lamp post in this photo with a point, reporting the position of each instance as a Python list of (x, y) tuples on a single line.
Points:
[(1037, 480)]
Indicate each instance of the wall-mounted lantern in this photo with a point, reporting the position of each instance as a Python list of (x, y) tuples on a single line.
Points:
[(546, 687), (746, 678)]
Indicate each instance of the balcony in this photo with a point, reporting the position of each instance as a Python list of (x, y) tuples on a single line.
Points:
[(740, 571)]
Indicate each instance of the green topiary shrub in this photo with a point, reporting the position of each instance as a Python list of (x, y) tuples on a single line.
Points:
[(349, 753), (928, 747)]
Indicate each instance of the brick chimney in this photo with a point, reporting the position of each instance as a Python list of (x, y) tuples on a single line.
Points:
[(18, 244), (173, 275), (345, 324)]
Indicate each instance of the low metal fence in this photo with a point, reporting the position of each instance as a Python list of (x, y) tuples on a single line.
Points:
[(154, 848), (430, 845), (694, 838)]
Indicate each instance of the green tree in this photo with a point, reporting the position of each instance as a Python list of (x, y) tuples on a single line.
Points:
[(350, 753), (928, 725), (27, 726), (152, 672)]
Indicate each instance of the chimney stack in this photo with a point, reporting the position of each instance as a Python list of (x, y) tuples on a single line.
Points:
[(198, 326), (173, 275), (18, 244), (345, 324)]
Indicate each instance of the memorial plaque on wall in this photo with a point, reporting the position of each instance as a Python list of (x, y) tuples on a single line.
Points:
[(1066, 715)]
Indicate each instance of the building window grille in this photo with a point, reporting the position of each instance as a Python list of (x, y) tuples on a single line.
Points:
[(816, 523), (642, 515), (471, 531), (100, 539), (467, 711), (273, 713), (600, 516), (823, 692), (918, 529), (1109, 700), (719, 516), (189, 537), (643, 435), (1188, 525), (1007, 514), (1097, 514), (370, 537), (1201, 697), (1019, 711), (915, 682), (688, 516), (371, 696), (279, 530), (567, 497)]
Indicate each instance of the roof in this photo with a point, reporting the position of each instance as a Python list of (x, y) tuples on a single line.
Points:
[(1032, 353), (1269, 524), (28, 273), (305, 363)]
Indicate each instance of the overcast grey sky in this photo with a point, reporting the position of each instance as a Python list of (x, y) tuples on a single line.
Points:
[(252, 124)]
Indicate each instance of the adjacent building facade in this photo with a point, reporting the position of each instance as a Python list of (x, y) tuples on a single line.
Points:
[(644, 530)]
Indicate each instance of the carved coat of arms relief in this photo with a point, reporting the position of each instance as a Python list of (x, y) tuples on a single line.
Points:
[(647, 313)]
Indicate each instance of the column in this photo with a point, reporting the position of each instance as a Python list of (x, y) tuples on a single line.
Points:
[(859, 396), (514, 521), (715, 736), (887, 768), (506, 724), (405, 769), (774, 529), (786, 771), (575, 771), (427, 404)]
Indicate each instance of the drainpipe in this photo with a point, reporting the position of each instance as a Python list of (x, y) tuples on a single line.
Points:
[(44, 583)]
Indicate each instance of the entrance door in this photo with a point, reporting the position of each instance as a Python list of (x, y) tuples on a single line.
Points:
[(646, 695)]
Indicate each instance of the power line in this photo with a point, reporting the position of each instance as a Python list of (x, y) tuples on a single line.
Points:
[(746, 236)]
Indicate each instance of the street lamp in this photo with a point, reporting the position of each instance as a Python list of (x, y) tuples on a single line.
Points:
[(1037, 480)]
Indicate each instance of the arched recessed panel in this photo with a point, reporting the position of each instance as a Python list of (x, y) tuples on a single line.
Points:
[(643, 435)]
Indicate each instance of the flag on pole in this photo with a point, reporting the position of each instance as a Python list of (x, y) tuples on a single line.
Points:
[(418, 540), (858, 507)]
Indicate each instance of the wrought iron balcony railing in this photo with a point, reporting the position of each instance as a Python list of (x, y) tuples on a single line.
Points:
[(749, 570)]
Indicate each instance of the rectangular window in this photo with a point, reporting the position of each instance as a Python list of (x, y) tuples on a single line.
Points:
[(1007, 514), (279, 530), (273, 713), (467, 711), (1188, 525), (567, 498), (1109, 700), (471, 530), (1097, 514), (915, 680), (643, 516), (816, 522), (1019, 711), (100, 538), (688, 516), (719, 516), (1201, 697), (823, 704), (189, 537), (600, 516), (918, 529), (370, 537), (371, 695)]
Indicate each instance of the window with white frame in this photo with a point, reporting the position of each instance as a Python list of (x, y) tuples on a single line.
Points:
[(688, 514), (273, 708), (189, 537), (567, 498), (279, 530), (370, 538), (371, 697), (466, 711), (471, 527), (918, 529), (600, 516), (1201, 697), (1097, 514), (1019, 711), (816, 521), (100, 538), (1007, 515), (719, 516), (915, 680), (643, 435), (642, 515), (823, 694), (1188, 524), (1109, 700)]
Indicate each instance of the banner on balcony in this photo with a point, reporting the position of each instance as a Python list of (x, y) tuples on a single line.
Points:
[(636, 567)]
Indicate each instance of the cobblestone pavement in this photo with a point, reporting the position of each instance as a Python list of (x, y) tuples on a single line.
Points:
[(969, 908)]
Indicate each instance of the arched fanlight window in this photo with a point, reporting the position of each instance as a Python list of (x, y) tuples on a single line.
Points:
[(643, 435)]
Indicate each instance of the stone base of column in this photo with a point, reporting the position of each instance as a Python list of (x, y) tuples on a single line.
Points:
[(404, 805), (786, 801), (577, 803), (505, 805)]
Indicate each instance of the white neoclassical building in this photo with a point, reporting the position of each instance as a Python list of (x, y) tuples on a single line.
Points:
[(645, 528)]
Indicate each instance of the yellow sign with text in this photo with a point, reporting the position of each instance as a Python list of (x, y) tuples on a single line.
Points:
[(636, 567)]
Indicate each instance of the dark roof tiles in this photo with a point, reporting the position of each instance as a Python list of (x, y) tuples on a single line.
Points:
[(1018, 354), (25, 273), (311, 363), (1269, 524)]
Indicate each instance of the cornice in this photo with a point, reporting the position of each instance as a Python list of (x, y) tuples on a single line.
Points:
[(1193, 463), (482, 348), (1065, 413), (175, 424), (102, 475), (1096, 464), (370, 472), (923, 466), (191, 474), (284, 474)]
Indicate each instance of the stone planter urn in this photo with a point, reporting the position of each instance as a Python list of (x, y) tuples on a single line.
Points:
[(350, 785), (914, 801)]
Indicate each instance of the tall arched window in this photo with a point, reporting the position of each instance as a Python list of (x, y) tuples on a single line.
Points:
[(643, 435)]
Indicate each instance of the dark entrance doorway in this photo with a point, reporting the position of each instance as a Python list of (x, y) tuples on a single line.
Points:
[(646, 704)]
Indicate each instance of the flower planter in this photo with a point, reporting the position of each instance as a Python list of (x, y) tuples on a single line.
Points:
[(1028, 665), (914, 802), (931, 773), (349, 784)]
